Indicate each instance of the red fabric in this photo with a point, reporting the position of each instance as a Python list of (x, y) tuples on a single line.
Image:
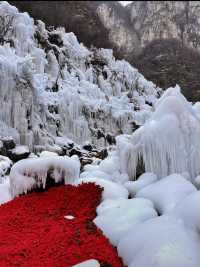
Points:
[(34, 232)]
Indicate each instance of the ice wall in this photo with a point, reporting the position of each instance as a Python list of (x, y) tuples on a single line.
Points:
[(51, 85), (168, 142)]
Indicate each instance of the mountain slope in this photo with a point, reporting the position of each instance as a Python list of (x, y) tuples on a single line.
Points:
[(133, 30)]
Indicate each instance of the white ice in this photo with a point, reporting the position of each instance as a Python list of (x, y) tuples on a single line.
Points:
[(117, 217), (31, 173), (167, 192)]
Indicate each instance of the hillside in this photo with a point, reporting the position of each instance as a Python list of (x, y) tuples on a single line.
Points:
[(133, 30)]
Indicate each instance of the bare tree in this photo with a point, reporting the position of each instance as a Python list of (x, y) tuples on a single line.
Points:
[(5, 25)]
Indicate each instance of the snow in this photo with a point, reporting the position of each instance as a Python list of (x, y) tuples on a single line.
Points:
[(5, 194), (111, 190), (5, 165), (30, 173), (18, 150), (188, 211), (117, 217), (88, 263), (143, 181), (163, 241), (167, 192), (48, 154), (97, 174)]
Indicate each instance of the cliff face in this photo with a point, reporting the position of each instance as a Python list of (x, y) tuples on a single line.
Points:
[(165, 20), (169, 34), (78, 17)]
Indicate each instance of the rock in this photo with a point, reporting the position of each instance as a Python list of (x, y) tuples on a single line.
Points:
[(2, 149), (100, 134), (5, 166), (18, 153), (84, 161), (110, 139), (75, 151), (103, 153), (140, 168), (8, 143), (88, 147)]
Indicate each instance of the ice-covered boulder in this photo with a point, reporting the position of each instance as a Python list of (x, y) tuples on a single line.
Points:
[(31, 173), (18, 153), (5, 165), (143, 181), (188, 211), (167, 192), (117, 217), (162, 241)]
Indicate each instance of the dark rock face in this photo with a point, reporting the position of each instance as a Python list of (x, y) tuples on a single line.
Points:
[(169, 62), (76, 16), (88, 147), (8, 143)]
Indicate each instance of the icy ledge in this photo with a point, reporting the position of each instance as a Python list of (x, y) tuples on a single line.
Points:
[(31, 173)]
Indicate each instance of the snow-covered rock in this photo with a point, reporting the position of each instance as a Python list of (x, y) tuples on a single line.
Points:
[(31, 173), (5, 165), (167, 192), (162, 241), (188, 211), (117, 217), (111, 190), (18, 153), (144, 180)]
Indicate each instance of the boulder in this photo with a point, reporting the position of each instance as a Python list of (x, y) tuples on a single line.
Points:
[(18, 153)]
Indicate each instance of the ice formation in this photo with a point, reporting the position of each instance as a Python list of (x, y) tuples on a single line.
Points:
[(187, 210), (167, 143), (166, 193), (117, 217), (51, 89), (163, 241), (31, 173), (143, 181)]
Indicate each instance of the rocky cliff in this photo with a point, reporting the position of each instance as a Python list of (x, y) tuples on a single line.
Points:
[(165, 20)]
